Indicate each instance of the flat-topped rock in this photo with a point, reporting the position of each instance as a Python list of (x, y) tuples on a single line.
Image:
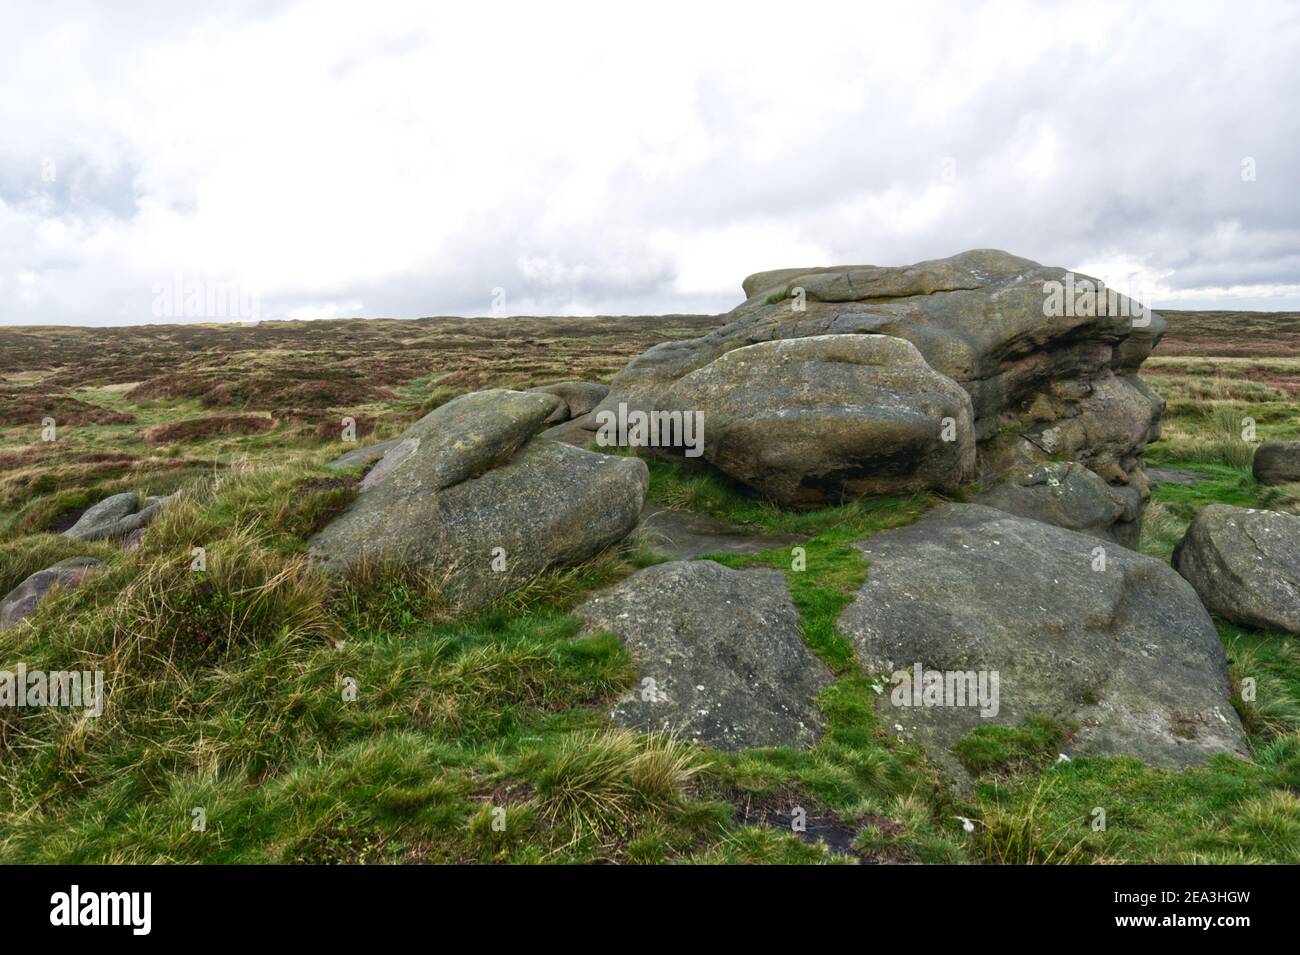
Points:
[(719, 655), (1050, 365)]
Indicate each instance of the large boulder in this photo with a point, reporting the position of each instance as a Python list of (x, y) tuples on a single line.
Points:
[(1113, 645), (469, 497), (719, 655), (116, 517), (22, 600), (1245, 565), (813, 421), (1050, 374), (1277, 462), (1070, 496)]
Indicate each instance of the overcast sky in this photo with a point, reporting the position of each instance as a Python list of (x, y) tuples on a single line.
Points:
[(407, 159)]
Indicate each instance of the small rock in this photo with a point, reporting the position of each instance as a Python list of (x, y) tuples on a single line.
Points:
[(116, 517), (1277, 462), (1068, 495), (1245, 565), (23, 599)]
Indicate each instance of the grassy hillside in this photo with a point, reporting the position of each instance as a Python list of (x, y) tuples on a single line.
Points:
[(316, 721)]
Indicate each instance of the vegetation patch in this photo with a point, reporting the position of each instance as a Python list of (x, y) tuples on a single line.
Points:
[(198, 429)]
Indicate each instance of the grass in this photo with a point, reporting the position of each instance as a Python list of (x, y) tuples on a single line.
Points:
[(1034, 744), (311, 721)]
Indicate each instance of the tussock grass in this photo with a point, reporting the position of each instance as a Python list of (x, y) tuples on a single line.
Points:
[(1025, 834), (21, 558), (365, 719), (596, 782)]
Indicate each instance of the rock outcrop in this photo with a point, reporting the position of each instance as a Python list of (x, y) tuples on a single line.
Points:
[(1276, 462), (1050, 366), (719, 655), (814, 421), (22, 600), (470, 497), (1245, 565), (1120, 651), (116, 517)]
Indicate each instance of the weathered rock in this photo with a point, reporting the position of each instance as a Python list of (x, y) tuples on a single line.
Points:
[(1245, 565), (468, 499), (1124, 650), (570, 432), (1277, 462), (1070, 496), (719, 655), (684, 535), (579, 397), (817, 420), (116, 517), (466, 437), (1173, 476), (1043, 381), (22, 600), (362, 457)]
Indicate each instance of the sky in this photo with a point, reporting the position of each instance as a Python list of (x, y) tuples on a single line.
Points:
[(182, 162)]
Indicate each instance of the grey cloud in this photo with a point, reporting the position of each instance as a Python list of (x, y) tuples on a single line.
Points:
[(1142, 141)]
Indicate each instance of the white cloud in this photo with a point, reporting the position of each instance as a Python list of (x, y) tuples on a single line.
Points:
[(409, 158)]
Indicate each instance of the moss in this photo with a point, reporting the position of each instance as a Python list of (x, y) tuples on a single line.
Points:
[(1004, 749)]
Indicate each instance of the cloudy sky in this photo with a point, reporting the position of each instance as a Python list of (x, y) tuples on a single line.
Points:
[(405, 159)]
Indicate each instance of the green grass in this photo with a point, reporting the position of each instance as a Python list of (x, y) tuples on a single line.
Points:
[(1034, 744), (484, 738)]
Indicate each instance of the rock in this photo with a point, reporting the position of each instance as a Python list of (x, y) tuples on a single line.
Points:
[(362, 457), (22, 600), (1277, 462), (466, 437), (683, 535), (579, 397), (1245, 565), (1173, 476), (116, 517), (814, 421), (1070, 496), (1127, 653), (570, 432), (469, 498), (1045, 381), (719, 654)]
